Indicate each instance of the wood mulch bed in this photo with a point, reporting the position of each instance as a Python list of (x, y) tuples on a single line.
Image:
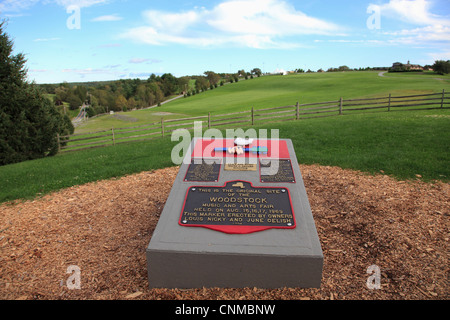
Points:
[(104, 228)]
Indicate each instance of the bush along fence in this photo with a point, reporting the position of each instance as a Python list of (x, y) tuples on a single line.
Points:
[(252, 117)]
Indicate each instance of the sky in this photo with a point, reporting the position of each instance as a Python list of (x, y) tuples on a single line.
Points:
[(96, 40)]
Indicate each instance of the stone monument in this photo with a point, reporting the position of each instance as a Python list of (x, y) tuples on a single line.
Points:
[(237, 216)]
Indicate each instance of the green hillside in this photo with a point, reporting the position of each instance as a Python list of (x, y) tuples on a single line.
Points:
[(273, 91), (400, 143)]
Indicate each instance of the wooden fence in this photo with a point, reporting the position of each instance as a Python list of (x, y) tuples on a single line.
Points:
[(252, 117)]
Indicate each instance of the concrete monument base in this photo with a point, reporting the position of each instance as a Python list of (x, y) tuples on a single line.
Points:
[(185, 256)]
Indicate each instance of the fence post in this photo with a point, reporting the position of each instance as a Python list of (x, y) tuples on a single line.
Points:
[(297, 111), (209, 120), (389, 103), (113, 136), (341, 105), (253, 116), (162, 127), (442, 100), (59, 142)]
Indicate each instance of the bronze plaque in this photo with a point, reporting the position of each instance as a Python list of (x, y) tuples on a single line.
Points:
[(238, 207), (240, 167), (277, 171), (203, 170)]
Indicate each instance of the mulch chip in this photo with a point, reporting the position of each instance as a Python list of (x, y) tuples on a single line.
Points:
[(104, 228)]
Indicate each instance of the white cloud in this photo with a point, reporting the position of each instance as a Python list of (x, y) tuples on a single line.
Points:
[(244, 23), (445, 55), (429, 27), (266, 17), (142, 60), (108, 72), (77, 3), (433, 33), (412, 11), (20, 5), (86, 71), (111, 17), (16, 5), (46, 39), (82, 73), (111, 45), (176, 22), (113, 66)]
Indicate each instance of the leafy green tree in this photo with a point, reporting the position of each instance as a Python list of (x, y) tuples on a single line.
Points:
[(183, 83), (102, 97), (80, 92), (74, 101), (169, 84), (202, 84), (212, 77), (152, 78), (131, 104), (29, 122), (61, 94), (121, 103), (159, 96), (128, 88), (441, 67), (92, 100), (155, 94), (257, 71), (241, 73), (90, 112), (145, 96)]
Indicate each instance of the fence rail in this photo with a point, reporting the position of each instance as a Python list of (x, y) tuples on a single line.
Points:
[(252, 117)]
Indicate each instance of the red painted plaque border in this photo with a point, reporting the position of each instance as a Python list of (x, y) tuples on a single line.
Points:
[(237, 229)]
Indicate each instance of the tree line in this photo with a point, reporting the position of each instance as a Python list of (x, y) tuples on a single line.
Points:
[(120, 95), (131, 94), (441, 67)]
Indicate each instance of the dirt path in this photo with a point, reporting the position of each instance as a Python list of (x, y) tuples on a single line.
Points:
[(382, 74), (105, 227)]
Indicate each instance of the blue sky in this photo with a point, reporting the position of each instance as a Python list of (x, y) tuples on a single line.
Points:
[(92, 40)]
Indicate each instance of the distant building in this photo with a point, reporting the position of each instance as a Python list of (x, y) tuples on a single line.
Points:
[(413, 66), (398, 66), (280, 71)]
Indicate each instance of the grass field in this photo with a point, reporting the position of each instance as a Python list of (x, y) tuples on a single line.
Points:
[(274, 91), (403, 144), (400, 143)]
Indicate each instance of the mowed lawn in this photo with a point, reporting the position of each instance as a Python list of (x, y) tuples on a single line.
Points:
[(274, 91), (402, 144)]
